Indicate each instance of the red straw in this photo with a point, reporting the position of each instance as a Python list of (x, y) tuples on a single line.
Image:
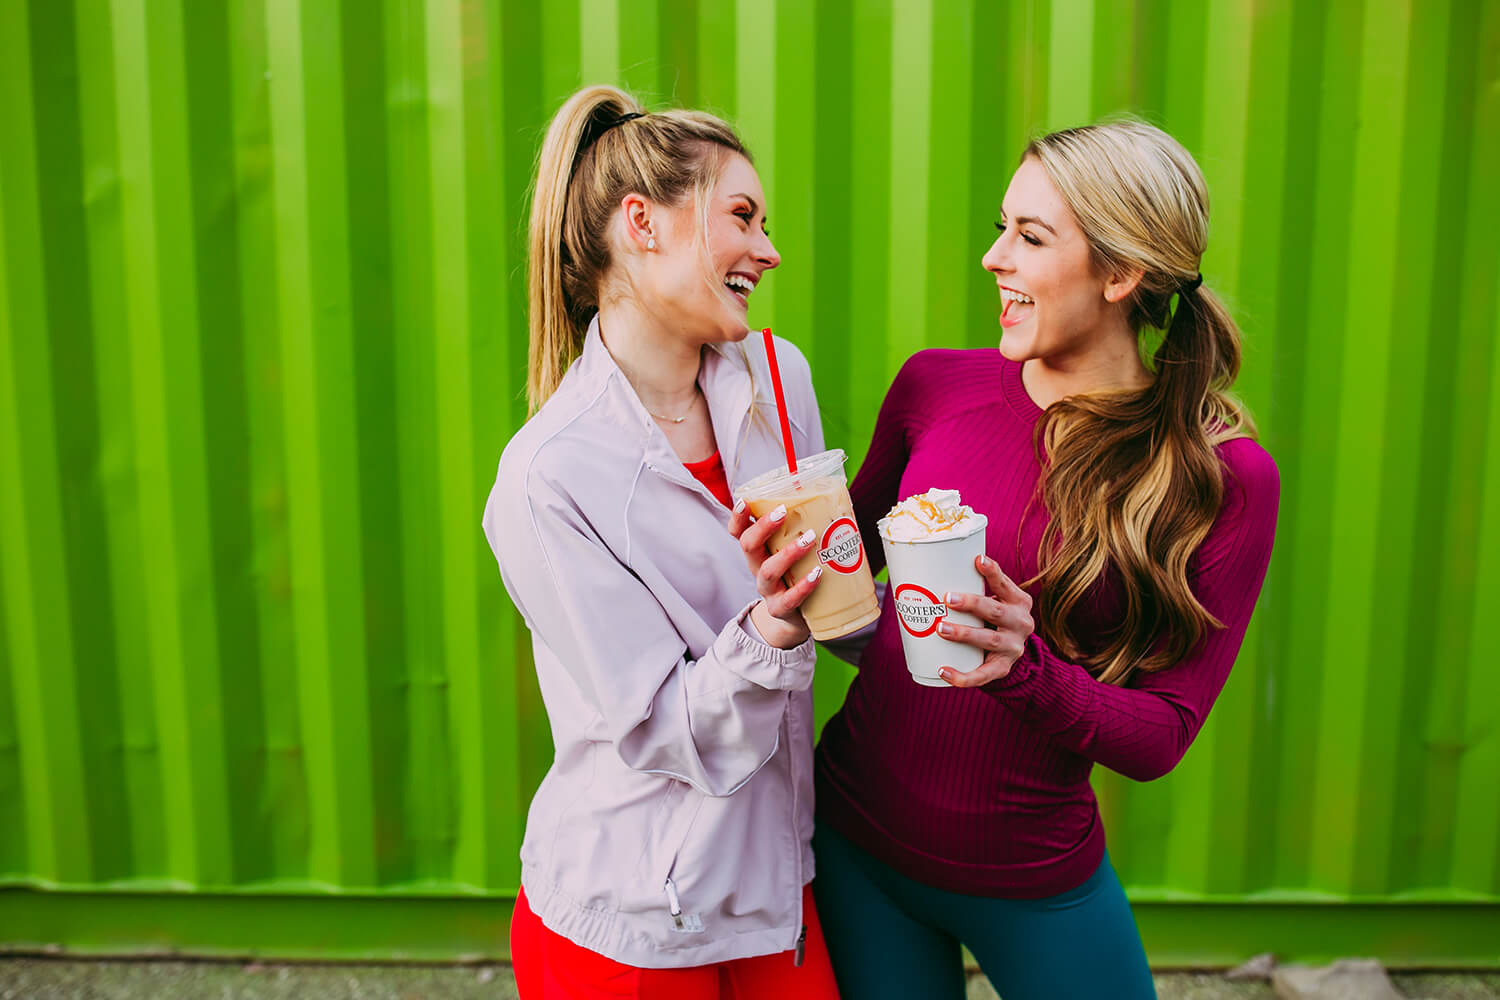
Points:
[(786, 425)]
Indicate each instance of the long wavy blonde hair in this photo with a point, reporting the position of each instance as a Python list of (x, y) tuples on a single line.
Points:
[(589, 161), (1131, 479)]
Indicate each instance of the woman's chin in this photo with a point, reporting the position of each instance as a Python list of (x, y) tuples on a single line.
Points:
[(728, 321), (1013, 348), (723, 327), (734, 325)]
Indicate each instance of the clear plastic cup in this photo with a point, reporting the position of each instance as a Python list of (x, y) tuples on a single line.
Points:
[(817, 497)]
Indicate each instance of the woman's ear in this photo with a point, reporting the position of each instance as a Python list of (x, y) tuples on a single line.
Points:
[(1122, 284), (638, 228)]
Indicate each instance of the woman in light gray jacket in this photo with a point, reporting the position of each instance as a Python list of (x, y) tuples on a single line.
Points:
[(667, 850)]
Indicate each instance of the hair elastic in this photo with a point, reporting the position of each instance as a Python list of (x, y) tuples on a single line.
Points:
[(1192, 286), (612, 123), (591, 135), (621, 120)]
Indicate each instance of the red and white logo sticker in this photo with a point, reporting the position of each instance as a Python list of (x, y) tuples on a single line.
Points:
[(919, 610), (841, 549)]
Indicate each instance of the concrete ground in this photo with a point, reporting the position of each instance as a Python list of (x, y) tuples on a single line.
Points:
[(66, 979)]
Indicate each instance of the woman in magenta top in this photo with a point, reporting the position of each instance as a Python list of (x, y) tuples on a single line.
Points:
[(1131, 518)]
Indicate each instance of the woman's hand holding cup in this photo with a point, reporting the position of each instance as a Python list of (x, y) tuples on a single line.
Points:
[(778, 616), (1006, 610)]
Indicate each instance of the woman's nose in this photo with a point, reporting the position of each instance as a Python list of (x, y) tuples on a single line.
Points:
[(997, 257), (767, 255)]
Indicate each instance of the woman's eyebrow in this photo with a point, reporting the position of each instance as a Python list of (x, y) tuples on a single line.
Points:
[(754, 205), (1024, 219)]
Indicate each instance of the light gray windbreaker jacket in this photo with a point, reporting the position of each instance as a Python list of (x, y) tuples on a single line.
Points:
[(682, 777)]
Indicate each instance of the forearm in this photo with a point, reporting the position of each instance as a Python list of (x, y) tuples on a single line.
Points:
[(1142, 734), (1143, 729), (714, 722)]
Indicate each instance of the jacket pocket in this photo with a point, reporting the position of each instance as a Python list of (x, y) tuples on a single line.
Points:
[(687, 814), (663, 837), (664, 884), (671, 837)]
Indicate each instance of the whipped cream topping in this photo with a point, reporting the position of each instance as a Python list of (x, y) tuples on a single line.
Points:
[(931, 515)]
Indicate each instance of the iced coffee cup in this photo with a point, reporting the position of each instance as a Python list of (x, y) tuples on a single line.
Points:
[(930, 542), (817, 498)]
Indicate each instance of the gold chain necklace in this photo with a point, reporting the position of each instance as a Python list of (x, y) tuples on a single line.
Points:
[(691, 407)]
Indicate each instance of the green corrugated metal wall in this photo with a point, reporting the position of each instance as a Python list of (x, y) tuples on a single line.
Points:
[(261, 342)]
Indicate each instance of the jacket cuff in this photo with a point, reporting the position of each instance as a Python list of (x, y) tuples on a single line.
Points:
[(741, 649)]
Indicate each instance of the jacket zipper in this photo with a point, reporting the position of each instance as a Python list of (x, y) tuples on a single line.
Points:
[(791, 741)]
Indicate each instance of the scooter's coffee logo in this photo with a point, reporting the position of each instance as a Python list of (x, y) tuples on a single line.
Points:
[(841, 549), (919, 610)]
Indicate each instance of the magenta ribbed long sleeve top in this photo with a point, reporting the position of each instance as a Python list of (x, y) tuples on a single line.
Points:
[(985, 791)]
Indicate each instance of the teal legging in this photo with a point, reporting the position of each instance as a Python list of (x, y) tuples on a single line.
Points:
[(892, 937)]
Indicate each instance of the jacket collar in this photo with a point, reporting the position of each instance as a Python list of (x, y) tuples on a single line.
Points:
[(725, 378)]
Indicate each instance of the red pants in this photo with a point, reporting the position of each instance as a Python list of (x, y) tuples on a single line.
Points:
[(550, 967)]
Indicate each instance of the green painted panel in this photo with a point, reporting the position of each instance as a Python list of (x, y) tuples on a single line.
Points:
[(262, 338)]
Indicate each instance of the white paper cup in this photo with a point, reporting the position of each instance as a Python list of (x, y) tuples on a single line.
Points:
[(921, 573)]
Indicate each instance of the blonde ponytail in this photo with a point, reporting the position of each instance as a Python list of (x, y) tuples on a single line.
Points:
[(601, 146)]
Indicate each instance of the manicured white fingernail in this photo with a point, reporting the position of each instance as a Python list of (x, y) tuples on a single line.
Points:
[(817, 572), (806, 538), (779, 513), (739, 506), (948, 598), (944, 628)]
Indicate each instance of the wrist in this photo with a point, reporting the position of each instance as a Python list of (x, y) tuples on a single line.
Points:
[(775, 631), (1014, 675)]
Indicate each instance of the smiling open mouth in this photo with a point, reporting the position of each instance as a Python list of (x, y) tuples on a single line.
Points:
[(1014, 302), (741, 286)]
